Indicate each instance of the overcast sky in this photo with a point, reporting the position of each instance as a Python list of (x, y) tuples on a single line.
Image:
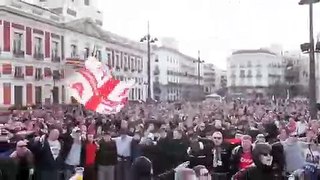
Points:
[(215, 27)]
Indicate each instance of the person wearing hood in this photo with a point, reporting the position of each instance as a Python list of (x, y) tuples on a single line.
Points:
[(262, 168)]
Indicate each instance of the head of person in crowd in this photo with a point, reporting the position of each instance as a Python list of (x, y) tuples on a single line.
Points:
[(106, 136), (260, 138), (137, 136), (262, 157), (151, 127), (217, 138), (54, 135), (177, 134), (142, 169), (21, 147), (283, 134), (218, 124), (202, 126), (163, 133), (311, 136), (246, 143), (123, 133), (90, 138), (76, 134)]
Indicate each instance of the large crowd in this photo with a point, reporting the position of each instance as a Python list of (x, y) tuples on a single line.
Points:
[(257, 139)]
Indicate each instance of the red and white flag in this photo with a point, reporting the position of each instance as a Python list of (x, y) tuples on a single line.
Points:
[(95, 88)]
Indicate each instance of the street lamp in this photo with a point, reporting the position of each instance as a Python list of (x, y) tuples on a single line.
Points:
[(147, 38), (312, 74), (198, 61)]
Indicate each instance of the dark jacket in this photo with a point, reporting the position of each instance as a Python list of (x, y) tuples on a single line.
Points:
[(107, 154), (177, 152), (43, 157), (235, 159), (225, 153), (136, 149)]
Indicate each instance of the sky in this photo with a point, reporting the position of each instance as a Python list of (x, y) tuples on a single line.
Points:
[(215, 27)]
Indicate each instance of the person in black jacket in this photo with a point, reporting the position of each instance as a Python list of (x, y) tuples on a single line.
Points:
[(47, 152), (262, 170), (142, 169), (221, 154), (106, 158)]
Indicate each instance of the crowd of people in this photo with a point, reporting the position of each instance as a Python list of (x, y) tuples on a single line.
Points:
[(257, 139)]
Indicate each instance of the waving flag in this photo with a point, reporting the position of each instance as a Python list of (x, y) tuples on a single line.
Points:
[(95, 88)]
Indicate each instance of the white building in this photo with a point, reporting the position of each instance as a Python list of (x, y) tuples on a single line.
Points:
[(176, 75), (73, 9), (209, 78), (253, 71), (38, 50)]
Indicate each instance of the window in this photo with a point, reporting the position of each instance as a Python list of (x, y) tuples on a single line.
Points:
[(55, 48), (38, 74), (87, 2), (117, 60), (38, 48), (99, 55), (132, 62), (18, 44), (242, 73), (86, 53), (125, 61), (109, 58), (74, 51), (18, 71), (249, 73)]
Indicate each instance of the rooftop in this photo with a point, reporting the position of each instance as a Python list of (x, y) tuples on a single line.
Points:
[(253, 51)]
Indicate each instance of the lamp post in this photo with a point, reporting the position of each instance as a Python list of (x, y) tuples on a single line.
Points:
[(199, 61), (312, 74), (147, 38)]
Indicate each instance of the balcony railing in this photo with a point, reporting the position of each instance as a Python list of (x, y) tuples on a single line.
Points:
[(18, 53), (38, 77), (19, 75), (38, 56), (55, 59)]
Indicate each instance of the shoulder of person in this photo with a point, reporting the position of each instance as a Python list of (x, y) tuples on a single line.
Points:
[(236, 150)]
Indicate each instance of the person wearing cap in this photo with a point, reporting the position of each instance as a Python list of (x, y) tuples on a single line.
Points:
[(262, 168), (241, 156), (106, 158), (24, 159)]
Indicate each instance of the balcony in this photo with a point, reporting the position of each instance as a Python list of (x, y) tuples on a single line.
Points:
[(19, 75), (38, 56), (132, 70), (18, 53), (55, 59), (38, 77)]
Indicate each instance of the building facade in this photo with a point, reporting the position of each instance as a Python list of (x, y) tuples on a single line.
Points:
[(38, 50), (209, 79), (253, 71), (176, 75), (73, 9)]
